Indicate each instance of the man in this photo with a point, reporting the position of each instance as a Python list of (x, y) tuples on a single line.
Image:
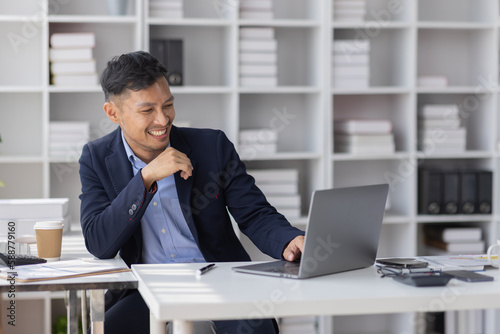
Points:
[(156, 193)]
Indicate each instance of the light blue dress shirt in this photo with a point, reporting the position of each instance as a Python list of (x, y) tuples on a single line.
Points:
[(165, 234)]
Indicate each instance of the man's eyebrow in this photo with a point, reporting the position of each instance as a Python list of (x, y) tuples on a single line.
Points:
[(149, 104)]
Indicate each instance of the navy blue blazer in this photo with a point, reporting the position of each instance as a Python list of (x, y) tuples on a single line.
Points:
[(113, 200)]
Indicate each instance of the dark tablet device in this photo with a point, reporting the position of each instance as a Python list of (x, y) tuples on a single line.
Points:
[(423, 279), (403, 263), (469, 276)]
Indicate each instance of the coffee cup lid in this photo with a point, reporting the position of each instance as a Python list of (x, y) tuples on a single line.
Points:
[(48, 225)]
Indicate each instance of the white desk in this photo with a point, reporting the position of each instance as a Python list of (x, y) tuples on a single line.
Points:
[(96, 283), (174, 293)]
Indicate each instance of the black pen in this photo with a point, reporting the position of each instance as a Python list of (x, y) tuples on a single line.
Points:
[(203, 270)]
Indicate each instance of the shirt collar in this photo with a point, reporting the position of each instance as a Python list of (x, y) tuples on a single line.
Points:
[(130, 154)]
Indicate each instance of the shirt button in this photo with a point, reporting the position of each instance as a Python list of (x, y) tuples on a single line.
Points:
[(155, 204), (131, 212), (172, 255), (134, 206), (163, 231)]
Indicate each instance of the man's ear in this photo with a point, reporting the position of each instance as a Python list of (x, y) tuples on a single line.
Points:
[(111, 110)]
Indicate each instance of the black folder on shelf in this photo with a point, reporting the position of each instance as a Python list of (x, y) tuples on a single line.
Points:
[(430, 191), (170, 53), (468, 191), (450, 203), (484, 191)]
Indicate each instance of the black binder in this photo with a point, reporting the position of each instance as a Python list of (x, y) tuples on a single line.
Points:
[(170, 53), (484, 192), (451, 181), (430, 191), (468, 191)]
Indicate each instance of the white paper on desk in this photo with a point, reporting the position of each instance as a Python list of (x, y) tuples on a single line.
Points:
[(61, 269), (453, 262)]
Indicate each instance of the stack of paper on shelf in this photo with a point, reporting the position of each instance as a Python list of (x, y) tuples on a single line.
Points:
[(171, 9), (258, 142), (281, 187), (351, 64), (440, 129), (440, 239), (66, 139), (24, 213), (349, 10), (71, 59), (256, 9), (258, 57), (363, 136), (298, 325)]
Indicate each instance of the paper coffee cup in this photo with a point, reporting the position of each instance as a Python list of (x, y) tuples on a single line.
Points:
[(49, 239)]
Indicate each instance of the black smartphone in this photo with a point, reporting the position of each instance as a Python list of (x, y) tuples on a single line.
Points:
[(469, 276), (403, 263)]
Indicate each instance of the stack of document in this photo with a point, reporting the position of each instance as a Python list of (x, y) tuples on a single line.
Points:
[(258, 57), (171, 9), (71, 59), (66, 139), (256, 9), (441, 240), (351, 64), (440, 129), (281, 187), (364, 136), (349, 11), (24, 213), (258, 142)]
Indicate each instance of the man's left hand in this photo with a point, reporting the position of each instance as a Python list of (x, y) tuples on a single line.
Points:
[(294, 249)]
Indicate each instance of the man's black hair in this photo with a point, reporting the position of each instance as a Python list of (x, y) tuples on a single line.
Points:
[(135, 71)]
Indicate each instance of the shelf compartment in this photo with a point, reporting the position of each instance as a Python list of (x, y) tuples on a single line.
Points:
[(463, 10), (309, 179), (395, 107), (476, 114), (206, 111), (21, 180), (28, 8), (296, 118), (23, 112), (123, 42), (207, 68), (397, 174), (469, 50), (20, 61), (392, 48), (86, 107)]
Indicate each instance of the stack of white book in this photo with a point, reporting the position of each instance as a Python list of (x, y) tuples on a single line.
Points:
[(66, 139), (171, 9), (453, 240), (71, 59), (258, 57), (364, 136), (351, 64), (256, 142), (281, 187), (440, 129), (256, 9), (24, 213), (298, 325), (349, 10)]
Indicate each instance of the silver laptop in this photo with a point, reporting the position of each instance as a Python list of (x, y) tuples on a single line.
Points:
[(342, 234)]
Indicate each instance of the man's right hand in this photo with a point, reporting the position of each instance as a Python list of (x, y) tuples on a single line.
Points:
[(167, 163)]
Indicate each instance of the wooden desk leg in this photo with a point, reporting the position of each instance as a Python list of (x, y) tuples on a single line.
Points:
[(72, 312), (97, 311), (182, 327), (84, 310)]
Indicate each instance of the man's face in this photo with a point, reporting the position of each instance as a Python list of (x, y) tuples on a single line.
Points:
[(145, 118)]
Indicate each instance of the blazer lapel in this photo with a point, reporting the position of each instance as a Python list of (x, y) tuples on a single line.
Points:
[(184, 187), (119, 168)]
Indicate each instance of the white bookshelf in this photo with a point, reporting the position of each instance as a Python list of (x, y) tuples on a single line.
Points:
[(456, 38)]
